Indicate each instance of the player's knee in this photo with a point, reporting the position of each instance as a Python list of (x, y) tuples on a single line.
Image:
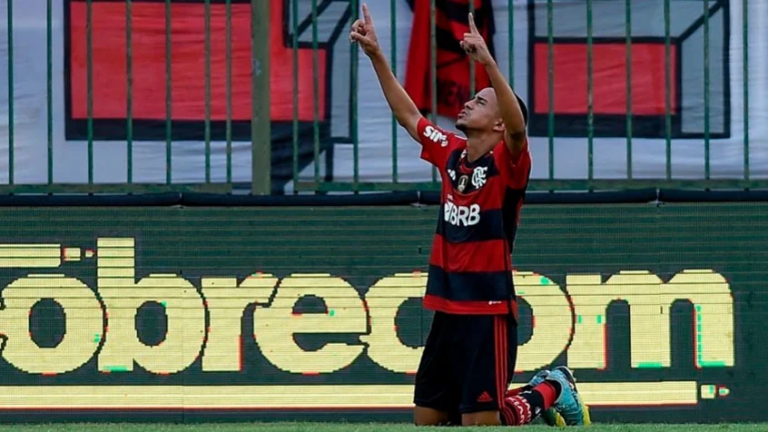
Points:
[(484, 418), (429, 417)]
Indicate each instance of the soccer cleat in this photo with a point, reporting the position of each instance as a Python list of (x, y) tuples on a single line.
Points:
[(550, 416), (538, 378), (568, 405)]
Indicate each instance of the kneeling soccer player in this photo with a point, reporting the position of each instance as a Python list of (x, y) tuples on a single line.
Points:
[(470, 354)]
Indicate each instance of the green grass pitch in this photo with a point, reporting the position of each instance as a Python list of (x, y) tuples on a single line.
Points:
[(358, 427)]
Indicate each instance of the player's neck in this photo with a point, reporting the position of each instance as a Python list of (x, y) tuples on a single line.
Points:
[(479, 144)]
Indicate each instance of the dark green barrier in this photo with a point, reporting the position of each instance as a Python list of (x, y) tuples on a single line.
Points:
[(150, 313)]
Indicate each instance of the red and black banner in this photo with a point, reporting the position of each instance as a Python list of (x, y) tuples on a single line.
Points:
[(453, 66), (153, 90), (187, 66), (662, 77)]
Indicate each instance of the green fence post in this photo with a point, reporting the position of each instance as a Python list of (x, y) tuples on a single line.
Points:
[(207, 91), (745, 71), (315, 95), (433, 68), (551, 88), (393, 52), (260, 121), (511, 37), (628, 23), (668, 87), (590, 96), (472, 72), (354, 51), (706, 91), (168, 96), (49, 83), (10, 93), (89, 79), (229, 90), (129, 87), (295, 56)]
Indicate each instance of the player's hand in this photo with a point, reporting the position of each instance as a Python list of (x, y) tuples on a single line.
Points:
[(475, 45), (364, 34)]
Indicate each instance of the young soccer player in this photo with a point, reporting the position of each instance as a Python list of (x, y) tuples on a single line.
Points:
[(470, 354)]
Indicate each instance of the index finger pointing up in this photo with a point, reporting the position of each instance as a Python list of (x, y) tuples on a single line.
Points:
[(367, 15), (472, 26)]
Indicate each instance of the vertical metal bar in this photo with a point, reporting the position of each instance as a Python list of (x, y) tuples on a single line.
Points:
[(628, 22), (168, 96), (229, 90), (551, 88), (668, 87), (261, 130), (706, 91), (315, 94), (472, 72), (295, 54), (511, 29), (49, 83), (10, 94), (590, 95), (207, 91), (354, 126), (433, 68), (89, 79), (129, 86), (745, 53), (393, 52)]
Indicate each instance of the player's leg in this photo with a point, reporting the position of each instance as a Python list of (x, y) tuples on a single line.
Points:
[(435, 392), (524, 405), (423, 416), (481, 365), (490, 347)]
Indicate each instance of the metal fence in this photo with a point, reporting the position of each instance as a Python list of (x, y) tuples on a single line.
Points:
[(260, 120)]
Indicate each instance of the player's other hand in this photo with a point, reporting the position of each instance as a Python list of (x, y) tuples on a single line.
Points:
[(364, 34), (475, 45)]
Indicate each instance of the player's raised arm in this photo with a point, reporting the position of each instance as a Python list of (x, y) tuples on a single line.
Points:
[(405, 111), (510, 110)]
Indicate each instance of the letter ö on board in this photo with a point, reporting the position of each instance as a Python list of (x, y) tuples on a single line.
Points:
[(84, 324)]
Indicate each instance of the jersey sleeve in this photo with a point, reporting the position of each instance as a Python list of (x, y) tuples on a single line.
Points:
[(435, 143), (516, 170)]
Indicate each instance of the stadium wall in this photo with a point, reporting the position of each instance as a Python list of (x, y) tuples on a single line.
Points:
[(218, 312)]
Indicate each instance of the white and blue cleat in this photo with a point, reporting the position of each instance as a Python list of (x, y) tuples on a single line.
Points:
[(569, 408)]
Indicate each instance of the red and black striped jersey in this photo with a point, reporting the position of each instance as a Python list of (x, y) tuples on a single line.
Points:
[(470, 267)]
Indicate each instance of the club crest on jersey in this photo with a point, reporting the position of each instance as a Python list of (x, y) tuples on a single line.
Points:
[(479, 177), (463, 183), (436, 136)]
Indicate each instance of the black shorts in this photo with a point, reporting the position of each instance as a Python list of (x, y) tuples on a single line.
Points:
[(467, 364)]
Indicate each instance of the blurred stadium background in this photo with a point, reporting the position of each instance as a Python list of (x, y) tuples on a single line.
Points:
[(208, 212)]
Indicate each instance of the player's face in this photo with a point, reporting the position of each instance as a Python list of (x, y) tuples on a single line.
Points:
[(480, 113)]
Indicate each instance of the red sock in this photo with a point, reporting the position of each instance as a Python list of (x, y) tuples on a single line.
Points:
[(548, 393), (523, 405)]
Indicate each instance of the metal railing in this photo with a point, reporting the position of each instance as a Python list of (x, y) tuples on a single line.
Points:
[(552, 182), (261, 152)]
